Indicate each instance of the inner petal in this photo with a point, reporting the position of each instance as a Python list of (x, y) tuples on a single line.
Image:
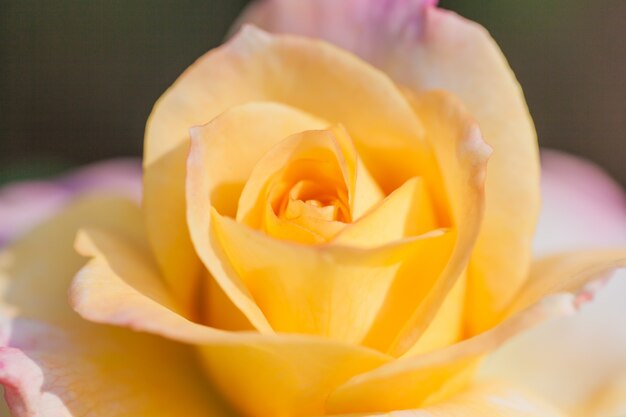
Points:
[(304, 188)]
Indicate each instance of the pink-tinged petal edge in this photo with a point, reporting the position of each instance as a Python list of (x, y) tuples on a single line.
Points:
[(22, 378), (365, 27)]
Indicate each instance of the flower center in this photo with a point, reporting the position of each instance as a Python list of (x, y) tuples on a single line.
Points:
[(304, 188)]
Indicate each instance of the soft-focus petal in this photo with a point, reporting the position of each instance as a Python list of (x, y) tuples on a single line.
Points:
[(52, 363), (609, 401), (261, 375), (570, 359), (582, 207), (424, 48), (576, 271), (409, 382), (488, 400), (255, 66), (23, 205)]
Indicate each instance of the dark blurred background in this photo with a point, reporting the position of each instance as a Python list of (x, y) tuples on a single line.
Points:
[(78, 77)]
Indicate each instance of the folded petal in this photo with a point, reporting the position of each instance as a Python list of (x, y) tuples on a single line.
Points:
[(412, 382), (491, 94), (582, 207), (487, 400), (54, 363), (255, 66), (424, 48), (292, 288), (462, 157), (308, 182), (260, 375), (407, 211), (331, 290)]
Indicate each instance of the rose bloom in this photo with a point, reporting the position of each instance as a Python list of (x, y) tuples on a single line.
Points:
[(323, 231)]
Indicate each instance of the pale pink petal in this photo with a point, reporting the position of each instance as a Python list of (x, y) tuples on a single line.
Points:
[(582, 206), (369, 28), (25, 204)]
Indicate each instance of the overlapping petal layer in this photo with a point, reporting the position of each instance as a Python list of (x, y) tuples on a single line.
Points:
[(582, 208), (462, 154), (54, 363), (411, 381), (304, 289), (424, 48), (488, 400), (278, 374), (306, 74), (293, 370), (307, 187), (332, 291)]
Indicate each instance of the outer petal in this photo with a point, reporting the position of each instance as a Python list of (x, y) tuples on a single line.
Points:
[(410, 382), (54, 364), (489, 400), (261, 375), (582, 207), (26, 204), (609, 401), (573, 360), (255, 66), (426, 48), (568, 272)]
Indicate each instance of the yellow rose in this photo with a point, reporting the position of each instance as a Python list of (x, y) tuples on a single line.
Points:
[(315, 239)]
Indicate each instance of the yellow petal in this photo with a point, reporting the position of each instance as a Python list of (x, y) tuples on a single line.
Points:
[(327, 290), (222, 156), (260, 375), (487, 400), (426, 48), (566, 273), (410, 382), (54, 363), (609, 401), (255, 66), (317, 166), (407, 211), (448, 326), (489, 90), (462, 157)]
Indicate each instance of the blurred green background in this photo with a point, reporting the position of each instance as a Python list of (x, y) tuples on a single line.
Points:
[(78, 77)]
